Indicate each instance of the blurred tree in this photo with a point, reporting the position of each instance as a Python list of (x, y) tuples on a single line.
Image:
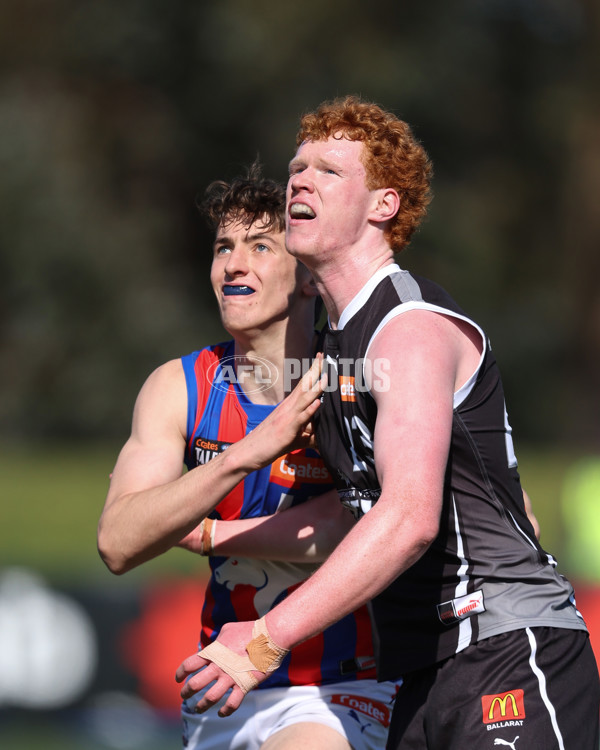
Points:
[(114, 116), (579, 268)]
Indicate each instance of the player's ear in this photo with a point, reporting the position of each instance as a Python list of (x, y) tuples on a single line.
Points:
[(310, 288), (387, 205), (306, 281)]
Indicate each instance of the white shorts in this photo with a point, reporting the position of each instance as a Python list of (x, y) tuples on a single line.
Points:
[(359, 711)]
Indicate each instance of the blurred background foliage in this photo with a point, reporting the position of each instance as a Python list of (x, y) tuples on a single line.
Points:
[(116, 114)]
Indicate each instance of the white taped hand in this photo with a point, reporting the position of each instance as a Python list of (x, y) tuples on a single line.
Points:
[(264, 655)]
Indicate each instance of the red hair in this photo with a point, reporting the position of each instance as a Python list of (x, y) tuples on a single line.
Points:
[(392, 158)]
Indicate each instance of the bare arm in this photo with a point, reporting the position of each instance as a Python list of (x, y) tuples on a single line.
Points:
[(531, 515), (430, 357), (150, 505), (306, 532), (411, 443)]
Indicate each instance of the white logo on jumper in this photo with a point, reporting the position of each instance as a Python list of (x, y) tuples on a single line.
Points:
[(464, 606), (268, 578), (499, 741)]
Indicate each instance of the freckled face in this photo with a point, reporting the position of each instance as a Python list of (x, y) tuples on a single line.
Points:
[(328, 202), (252, 275)]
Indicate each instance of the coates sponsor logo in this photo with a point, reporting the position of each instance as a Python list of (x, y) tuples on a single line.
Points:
[(208, 445), (206, 449), (503, 709), (351, 376), (347, 391), (297, 467), (374, 709)]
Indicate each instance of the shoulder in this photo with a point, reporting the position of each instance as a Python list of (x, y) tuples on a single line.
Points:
[(415, 329), (161, 406), (169, 374), (429, 342)]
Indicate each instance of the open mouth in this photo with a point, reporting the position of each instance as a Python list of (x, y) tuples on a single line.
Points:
[(231, 290), (301, 211)]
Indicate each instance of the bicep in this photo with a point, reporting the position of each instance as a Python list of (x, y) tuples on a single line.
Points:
[(414, 414), (153, 454)]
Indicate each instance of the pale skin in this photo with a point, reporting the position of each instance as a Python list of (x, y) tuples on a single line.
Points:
[(403, 522), (180, 502), (306, 735), (430, 357), (305, 533), (151, 506)]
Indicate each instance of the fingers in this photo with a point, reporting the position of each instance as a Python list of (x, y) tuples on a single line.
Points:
[(223, 684), (215, 694), (233, 702), (312, 380), (188, 666), (200, 680), (310, 388)]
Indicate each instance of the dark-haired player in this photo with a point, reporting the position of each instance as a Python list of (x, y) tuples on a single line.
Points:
[(207, 407)]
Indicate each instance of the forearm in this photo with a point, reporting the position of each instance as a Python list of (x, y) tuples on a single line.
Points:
[(303, 533), (137, 526), (373, 554)]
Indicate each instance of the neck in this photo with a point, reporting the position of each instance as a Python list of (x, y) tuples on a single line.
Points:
[(340, 278), (269, 362)]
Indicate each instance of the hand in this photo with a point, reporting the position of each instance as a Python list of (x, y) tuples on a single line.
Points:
[(289, 426), (234, 635)]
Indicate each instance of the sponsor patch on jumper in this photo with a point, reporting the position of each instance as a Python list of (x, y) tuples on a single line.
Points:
[(373, 709), (503, 709), (461, 608), (297, 468), (206, 449), (347, 389)]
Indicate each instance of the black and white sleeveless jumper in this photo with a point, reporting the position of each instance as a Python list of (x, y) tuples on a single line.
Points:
[(485, 573)]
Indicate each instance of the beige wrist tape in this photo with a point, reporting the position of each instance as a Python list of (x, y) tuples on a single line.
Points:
[(263, 656), (264, 653), (207, 536)]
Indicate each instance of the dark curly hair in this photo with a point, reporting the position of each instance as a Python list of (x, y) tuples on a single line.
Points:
[(246, 198), (393, 156)]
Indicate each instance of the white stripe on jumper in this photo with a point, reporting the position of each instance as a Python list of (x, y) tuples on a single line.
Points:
[(464, 627)]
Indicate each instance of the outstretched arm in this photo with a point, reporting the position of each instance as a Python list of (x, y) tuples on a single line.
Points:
[(308, 532), (150, 504)]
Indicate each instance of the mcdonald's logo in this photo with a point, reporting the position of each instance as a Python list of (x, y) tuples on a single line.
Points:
[(503, 706)]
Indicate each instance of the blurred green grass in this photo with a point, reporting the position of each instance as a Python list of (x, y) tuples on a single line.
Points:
[(542, 473), (51, 502)]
